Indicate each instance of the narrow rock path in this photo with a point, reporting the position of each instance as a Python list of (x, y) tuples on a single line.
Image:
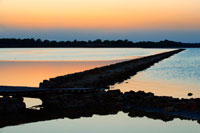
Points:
[(105, 76)]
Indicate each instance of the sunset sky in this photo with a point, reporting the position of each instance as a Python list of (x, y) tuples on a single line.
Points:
[(135, 20)]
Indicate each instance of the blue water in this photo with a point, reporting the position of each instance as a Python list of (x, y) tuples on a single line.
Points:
[(184, 66), (175, 76)]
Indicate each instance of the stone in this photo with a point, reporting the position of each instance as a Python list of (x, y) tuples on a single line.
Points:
[(169, 109), (190, 94), (12, 105)]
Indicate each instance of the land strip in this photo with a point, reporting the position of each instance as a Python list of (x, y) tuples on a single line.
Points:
[(105, 76)]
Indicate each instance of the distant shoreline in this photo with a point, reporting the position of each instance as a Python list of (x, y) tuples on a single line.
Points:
[(32, 43)]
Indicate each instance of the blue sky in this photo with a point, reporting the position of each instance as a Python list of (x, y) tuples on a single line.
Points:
[(84, 34)]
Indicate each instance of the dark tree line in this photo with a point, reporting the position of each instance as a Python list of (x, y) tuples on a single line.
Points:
[(32, 43)]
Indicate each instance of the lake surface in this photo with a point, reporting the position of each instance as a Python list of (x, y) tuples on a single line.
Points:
[(175, 76), (28, 67), (107, 124), (73, 54)]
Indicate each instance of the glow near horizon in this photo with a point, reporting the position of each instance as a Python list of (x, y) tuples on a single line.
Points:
[(101, 14)]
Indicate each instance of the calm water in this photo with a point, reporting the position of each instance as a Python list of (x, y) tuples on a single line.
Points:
[(120, 123), (73, 54), (175, 76), (28, 67)]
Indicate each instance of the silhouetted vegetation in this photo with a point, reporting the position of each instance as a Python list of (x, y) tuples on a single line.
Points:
[(32, 43)]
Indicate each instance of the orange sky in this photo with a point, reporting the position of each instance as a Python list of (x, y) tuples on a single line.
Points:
[(101, 14)]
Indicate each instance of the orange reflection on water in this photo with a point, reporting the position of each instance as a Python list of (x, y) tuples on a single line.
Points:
[(31, 73), (158, 87)]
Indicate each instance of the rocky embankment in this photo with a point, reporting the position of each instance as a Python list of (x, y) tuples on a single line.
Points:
[(135, 104), (103, 77), (11, 105), (129, 102)]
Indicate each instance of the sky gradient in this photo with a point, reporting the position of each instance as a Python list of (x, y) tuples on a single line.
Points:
[(135, 20)]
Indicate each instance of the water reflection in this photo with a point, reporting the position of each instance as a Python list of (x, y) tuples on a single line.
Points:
[(31, 73), (30, 102), (107, 124), (176, 76), (33, 115), (73, 54), (160, 87)]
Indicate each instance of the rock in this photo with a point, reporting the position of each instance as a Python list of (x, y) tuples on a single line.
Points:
[(120, 97), (169, 109), (114, 93), (190, 94), (12, 105), (115, 99)]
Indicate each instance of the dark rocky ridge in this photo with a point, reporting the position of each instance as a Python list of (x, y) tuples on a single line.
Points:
[(128, 102), (135, 104), (12, 105), (102, 77)]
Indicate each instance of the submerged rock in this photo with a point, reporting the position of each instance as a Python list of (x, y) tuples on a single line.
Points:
[(190, 94)]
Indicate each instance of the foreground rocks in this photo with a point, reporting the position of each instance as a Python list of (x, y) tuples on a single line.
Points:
[(11, 105), (127, 102), (103, 77), (135, 104)]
